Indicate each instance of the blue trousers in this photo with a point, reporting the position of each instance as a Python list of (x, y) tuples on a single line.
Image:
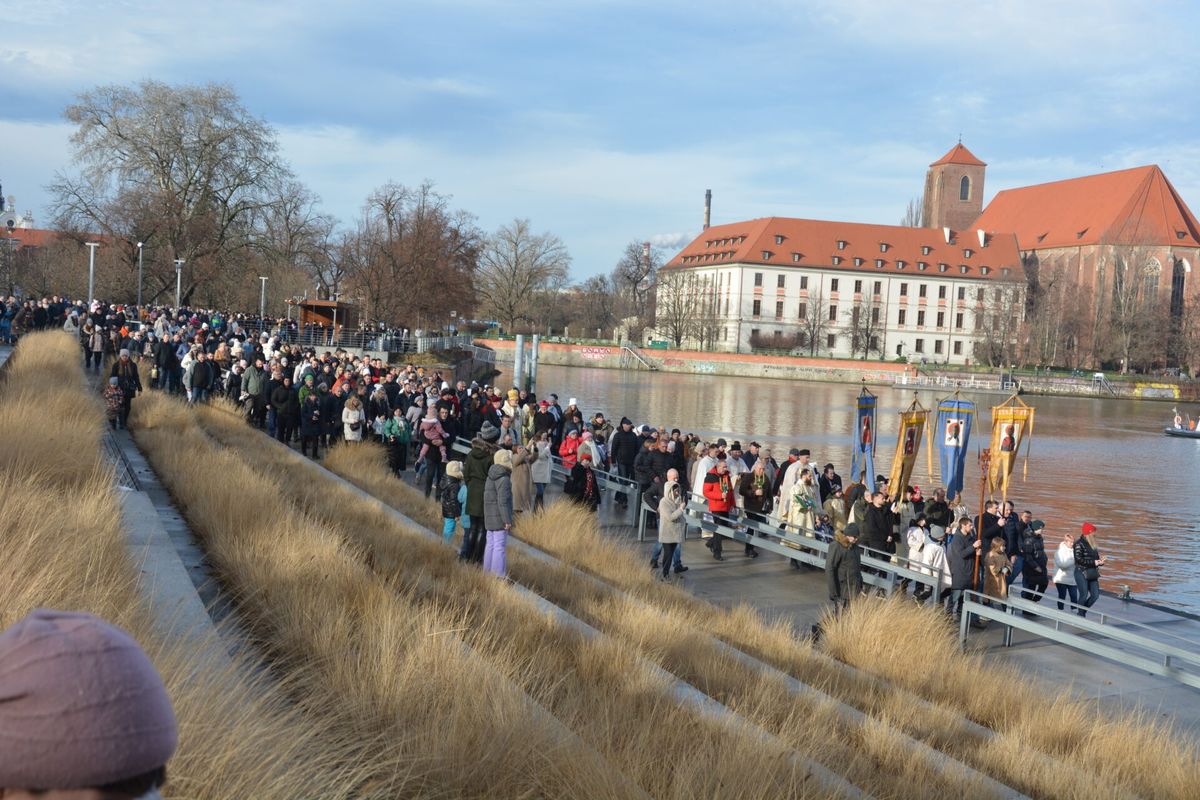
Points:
[(676, 560)]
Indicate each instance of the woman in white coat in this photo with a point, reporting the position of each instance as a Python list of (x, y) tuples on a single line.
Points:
[(539, 470), (1064, 570), (353, 419)]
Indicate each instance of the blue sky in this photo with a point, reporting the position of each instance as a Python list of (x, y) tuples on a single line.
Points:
[(604, 122)]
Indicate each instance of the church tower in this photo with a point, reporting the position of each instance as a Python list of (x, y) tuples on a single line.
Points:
[(953, 190)]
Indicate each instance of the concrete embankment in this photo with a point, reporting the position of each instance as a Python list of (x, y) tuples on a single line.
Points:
[(693, 363)]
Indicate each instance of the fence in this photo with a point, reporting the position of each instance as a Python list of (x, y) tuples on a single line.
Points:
[(319, 337)]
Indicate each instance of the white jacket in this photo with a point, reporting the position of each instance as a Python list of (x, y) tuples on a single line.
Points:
[(1064, 561), (933, 556)]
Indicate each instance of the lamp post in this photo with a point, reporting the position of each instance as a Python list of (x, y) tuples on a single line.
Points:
[(262, 298), (91, 246), (179, 262), (139, 246)]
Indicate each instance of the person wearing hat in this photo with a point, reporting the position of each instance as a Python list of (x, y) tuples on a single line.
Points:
[(498, 512), (602, 427), (568, 451), (1088, 562), (798, 461), (623, 450), (582, 485), (843, 568), (114, 401), (453, 496), (83, 712), (126, 373), (1035, 577), (475, 474)]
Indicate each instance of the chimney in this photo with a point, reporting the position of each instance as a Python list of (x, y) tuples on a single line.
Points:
[(946, 233), (707, 208), (982, 237)]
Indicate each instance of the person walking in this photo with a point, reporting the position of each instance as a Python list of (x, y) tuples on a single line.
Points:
[(522, 478), (475, 472), (398, 436), (310, 425), (453, 495), (1064, 571), (960, 555), (1035, 577), (1088, 562), (353, 419), (623, 449), (126, 373), (498, 512), (539, 468), (718, 490), (996, 568), (671, 524), (843, 568)]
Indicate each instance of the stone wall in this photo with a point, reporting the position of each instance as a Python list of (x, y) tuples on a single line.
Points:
[(694, 363)]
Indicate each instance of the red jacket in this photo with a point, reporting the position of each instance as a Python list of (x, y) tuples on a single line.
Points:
[(718, 489), (568, 450)]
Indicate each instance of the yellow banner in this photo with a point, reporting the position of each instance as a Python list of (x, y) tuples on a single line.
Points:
[(1012, 426), (912, 426)]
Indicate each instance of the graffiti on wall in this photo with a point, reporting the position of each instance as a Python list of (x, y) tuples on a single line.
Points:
[(595, 353)]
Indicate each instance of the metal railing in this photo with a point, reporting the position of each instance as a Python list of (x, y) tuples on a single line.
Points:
[(607, 481), (319, 337), (1141, 649)]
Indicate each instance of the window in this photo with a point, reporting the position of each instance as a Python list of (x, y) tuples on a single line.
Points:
[(875, 343), (883, 247), (830, 339), (925, 249), (758, 279), (901, 264), (875, 315), (900, 349), (964, 188), (958, 320), (833, 313), (837, 260), (878, 263), (901, 317), (920, 319), (757, 308), (779, 279), (803, 283), (833, 285), (754, 334), (958, 348), (766, 254), (857, 261), (778, 239), (921, 290), (979, 295), (966, 252), (941, 292), (941, 319), (878, 287), (919, 345), (937, 346), (802, 312), (962, 293), (778, 309), (904, 290), (796, 257), (858, 287), (841, 244)]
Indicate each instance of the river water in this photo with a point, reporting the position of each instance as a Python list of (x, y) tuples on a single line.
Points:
[(1103, 461)]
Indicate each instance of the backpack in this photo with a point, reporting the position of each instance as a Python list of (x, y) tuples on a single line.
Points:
[(451, 508)]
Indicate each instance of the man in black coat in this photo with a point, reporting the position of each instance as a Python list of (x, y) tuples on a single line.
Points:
[(623, 451), (126, 373), (877, 527), (960, 558), (826, 483), (286, 404)]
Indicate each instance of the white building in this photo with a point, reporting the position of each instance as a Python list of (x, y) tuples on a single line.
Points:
[(835, 288)]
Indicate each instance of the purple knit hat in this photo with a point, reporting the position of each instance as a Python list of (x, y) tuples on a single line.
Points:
[(81, 705)]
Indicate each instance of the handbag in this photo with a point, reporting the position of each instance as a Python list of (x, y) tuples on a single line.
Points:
[(1092, 573)]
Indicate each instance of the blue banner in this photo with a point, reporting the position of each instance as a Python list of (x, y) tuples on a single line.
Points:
[(862, 452), (953, 431)]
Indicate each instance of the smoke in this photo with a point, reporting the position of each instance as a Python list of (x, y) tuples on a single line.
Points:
[(671, 241)]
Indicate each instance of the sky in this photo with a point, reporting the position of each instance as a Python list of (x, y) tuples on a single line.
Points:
[(604, 122)]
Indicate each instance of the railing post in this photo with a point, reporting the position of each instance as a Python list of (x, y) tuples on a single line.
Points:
[(1008, 629), (962, 624), (641, 522)]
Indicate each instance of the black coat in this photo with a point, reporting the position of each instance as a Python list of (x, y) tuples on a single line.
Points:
[(623, 448), (285, 402), (877, 527), (960, 557), (310, 416), (643, 468), (843, 569)]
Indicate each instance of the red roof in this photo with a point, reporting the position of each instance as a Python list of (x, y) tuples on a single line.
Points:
[(29, 237), (789, 242), (959, 155), (1136, 206)]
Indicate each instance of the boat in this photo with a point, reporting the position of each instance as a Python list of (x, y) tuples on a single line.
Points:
[(1183, 433)]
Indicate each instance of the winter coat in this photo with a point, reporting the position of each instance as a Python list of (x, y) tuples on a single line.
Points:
[(497, 498), (752, 502), (718, 490), (331, 413), (961, 557), (843, 569), (827, 485), (671, 507), (522, 479), (938, 513), (933, 557), (1064, 565), (995, 579), (310, 417), (127, 375), (539, 470), (452, 506), (569, 451), (1086, 556), (577, 486), (643, 468), (838, 515), (624, 447), (351, 416), (803, 505), (285, 402), (396, 431), (877, 527), (254, 381), (475, 473), (1033, 548)]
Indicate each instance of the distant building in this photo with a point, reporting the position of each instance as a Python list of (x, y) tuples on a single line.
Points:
[(839, 288), (953, 190)]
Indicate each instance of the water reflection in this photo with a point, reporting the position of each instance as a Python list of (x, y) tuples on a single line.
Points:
[(1100, 460)]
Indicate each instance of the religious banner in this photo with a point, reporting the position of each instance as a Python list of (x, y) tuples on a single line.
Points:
[(951, 434), (862, 452), (1012, 425), (912, 426)]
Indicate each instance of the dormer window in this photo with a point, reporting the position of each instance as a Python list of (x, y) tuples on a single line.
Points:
[(943, 267), (901, 264), (966, 252), (922, 266), (841, 244), (926, 249), (883, 246), (878, 263), (857, 261), (837, 260), (985, 270), (766, 254), (963, 269), (778, 238), (1004, 271), (796, 257)]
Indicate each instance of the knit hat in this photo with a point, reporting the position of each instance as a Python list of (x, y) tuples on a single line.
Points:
[(503, 458), (489, 432), (454, 469), (81, 705), (113, 381), (585, 455), (124, 353), (1088, 528)]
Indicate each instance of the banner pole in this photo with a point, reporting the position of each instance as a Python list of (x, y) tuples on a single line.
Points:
[(985, 458)]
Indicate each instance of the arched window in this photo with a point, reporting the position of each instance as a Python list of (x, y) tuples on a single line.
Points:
[(964, 188), (1150, 275), (1177, 284)]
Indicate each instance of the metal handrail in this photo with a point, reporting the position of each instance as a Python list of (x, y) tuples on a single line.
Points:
[(1164, 661), (604, 478)]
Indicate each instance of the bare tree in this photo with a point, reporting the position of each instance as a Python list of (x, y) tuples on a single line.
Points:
[(514, 265), (633, 279), (866, 327), (814, 322), (1136, 329), (1054, 325), (676, 305), (186, 170), (913, 214), (998, 321), (593, 305)]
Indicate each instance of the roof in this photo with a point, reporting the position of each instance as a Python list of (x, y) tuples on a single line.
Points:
[(959, 155), (1136, 206), (29, 237), (814, 243)]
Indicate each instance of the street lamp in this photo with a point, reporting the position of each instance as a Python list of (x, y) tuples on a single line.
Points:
[(179, 262), (91, 246), (262, 299), (139, 246)]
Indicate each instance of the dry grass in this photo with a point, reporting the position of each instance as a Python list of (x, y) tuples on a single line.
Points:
[(62, 546), (898, 647), (598, 688)]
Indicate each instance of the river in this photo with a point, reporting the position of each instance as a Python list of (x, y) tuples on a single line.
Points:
[(1103, 461)]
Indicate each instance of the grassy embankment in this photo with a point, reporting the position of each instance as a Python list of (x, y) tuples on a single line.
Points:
[(62, 546), (915, 649), (867, 755), (305, 556)]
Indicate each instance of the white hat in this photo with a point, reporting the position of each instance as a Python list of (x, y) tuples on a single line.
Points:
[(572, 402)]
